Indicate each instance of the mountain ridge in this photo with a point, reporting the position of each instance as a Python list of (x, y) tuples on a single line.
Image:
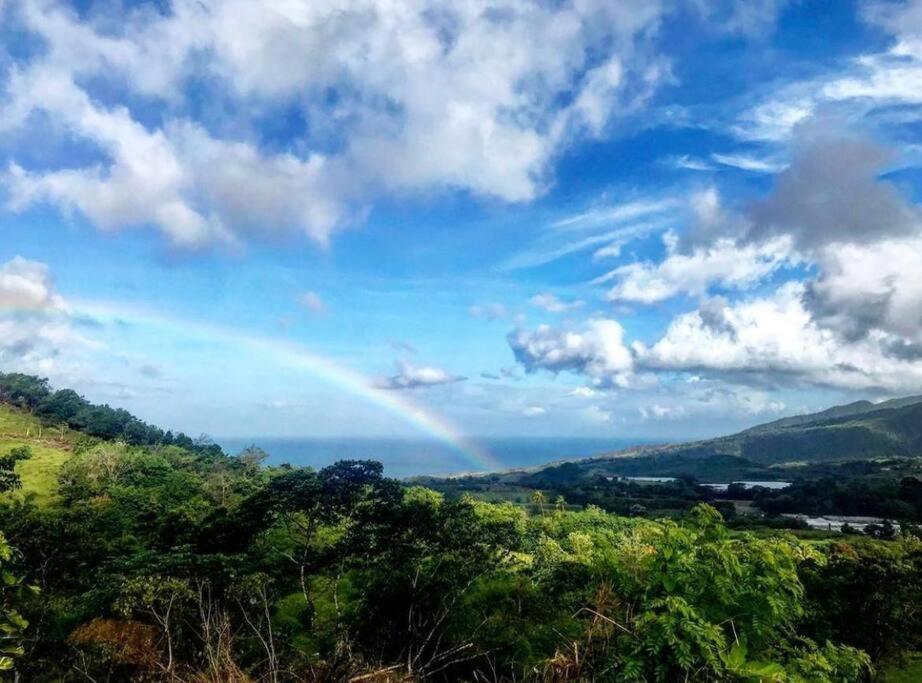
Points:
[(861, 430)]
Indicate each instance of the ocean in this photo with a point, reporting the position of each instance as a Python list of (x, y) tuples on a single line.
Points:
[(412, 457)]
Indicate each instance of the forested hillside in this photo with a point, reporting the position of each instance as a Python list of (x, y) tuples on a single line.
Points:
[(858, 431), (159, 558)]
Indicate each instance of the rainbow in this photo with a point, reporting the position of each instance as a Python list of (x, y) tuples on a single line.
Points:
[(325, 369)]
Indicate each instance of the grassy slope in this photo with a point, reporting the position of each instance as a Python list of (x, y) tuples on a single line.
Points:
[(49, 451), (909, 672)]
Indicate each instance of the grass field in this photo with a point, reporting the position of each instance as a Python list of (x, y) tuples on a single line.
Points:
[(49, 451), (910, 672)]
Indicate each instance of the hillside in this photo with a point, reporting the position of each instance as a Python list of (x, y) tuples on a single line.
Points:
[(775, 450), (50, 449), (49, 422)]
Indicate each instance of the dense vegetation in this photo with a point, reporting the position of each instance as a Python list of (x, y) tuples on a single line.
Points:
[(65, 408), (888, 489), (173, 561)]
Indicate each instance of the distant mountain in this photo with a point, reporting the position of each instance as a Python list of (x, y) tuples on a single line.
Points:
[(776, 450), (847, 410)]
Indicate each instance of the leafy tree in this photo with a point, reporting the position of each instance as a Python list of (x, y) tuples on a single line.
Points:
[(162, 597), (9, 479), (61, 407), (866, 597), (23, 391), (12, 624)]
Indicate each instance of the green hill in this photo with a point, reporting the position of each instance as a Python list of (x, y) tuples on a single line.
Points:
[(50, 449), (857, 431), (49, 422)]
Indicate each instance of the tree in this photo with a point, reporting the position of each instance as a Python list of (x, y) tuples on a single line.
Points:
[(23, 391), (61, 407), (252, 456), (538, 500), (9, 479), (161, 597), (12, 625)]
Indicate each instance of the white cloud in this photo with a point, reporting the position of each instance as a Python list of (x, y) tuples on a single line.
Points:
[(413, 377), (867, 84), (615, 214), (775, 339), (775, 119), (598, 351), (598, 415), (724, 263), (534, 411), (754, 18), (550, 249), (688, 163), (772, 340), (659, 412), (871, 288), (311, 302), (613, 224), (713, 401), (552, 304), (27, 285), (490, 311), (35, 327), (747, 163), (397, 97)]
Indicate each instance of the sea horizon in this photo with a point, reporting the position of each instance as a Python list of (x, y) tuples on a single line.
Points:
[(404, 457)]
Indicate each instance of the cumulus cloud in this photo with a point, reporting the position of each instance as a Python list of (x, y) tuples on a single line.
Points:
[(395, 97), (831, 194), (871, 288), (534, 411), (34, 324), (775, 339), (27, 285), (413, 377), (598, 351)]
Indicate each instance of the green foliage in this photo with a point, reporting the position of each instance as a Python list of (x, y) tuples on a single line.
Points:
[(678, 597), (169, 559), (12, 624), (9, 478), (867, 595), (66, 407)]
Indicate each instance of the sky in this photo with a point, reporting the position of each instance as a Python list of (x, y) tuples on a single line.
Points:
[(639, 219)]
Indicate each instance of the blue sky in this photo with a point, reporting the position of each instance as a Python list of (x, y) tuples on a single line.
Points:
[(634, 219)]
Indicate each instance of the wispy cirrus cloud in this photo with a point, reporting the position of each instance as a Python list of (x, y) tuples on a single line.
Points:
[(604, 229), (550, 303)]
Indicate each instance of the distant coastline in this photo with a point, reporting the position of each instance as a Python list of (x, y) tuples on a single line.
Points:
[(408, 457)]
